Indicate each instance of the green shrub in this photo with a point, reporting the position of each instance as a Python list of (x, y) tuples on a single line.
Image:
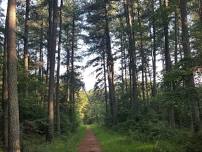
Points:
[(194, 143), (66, 143)]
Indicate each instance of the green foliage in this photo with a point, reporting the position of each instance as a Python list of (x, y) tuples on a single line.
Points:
[(95, 113), (118, 142), (148, 130), (83, 104), (31, 110), (180, 71), (194, 143), (66, 143), (66, 125)]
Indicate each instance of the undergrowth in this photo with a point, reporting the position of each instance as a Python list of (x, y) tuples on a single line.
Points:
[(68, 143), (117, 142)]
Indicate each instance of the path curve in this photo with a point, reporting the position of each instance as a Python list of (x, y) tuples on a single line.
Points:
[(89, 143)]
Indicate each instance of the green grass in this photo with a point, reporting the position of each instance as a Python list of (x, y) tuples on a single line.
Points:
[(63, 144), (115, 142)]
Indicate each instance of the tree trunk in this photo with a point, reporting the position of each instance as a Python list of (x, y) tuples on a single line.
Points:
[(168, 63), (72, 76), (13, 106), (142, 54), (26, 53), (128, 8), (123, 56), (49, 39), (68, 68), (58, 74), (189, 80), (52, 50), (105, 85), (154, 90), (122, 49), (5, 91), (125, 69), (200, 10), (146, 85), (110, 68), (176, 34), (41, 53)]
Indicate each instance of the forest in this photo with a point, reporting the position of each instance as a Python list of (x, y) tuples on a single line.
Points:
[(145, 57)]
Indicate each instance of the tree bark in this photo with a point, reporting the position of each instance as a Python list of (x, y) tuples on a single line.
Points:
[(13, 106), (41, 53), (123, 57), (26, 53), (68, 69), (105, 85), (52, 50), (154, 90), (110, 68), (122, 49), (128, 8), (72, 75), (189, 80), (5, 91), (200, 10), (58, 73), (142, 54), (168, 63), (176, 33)]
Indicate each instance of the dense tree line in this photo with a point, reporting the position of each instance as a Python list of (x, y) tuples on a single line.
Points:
[(38, 38), (155, 45)]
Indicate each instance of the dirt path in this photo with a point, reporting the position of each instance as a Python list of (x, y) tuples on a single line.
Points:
[(89, 143)]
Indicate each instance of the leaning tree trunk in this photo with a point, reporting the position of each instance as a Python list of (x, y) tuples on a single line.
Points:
[(189, 79), (13, 106)]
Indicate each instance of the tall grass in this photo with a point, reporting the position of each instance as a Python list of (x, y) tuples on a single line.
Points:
[(115, 142), (63, 144)]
